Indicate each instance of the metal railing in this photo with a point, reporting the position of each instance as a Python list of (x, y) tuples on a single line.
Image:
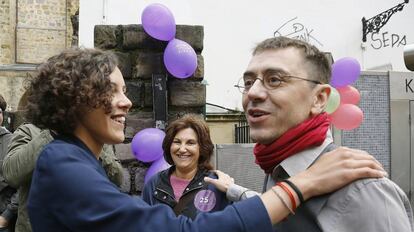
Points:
[(242, 133)]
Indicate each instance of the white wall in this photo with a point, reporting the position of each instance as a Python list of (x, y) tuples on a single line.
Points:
[(233, 27)]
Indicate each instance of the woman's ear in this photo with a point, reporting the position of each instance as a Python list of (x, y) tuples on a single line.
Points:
[(320, 98)]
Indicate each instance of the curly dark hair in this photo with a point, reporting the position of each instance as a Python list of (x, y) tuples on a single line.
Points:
[(320, 66), (68, 85), (200, 127)]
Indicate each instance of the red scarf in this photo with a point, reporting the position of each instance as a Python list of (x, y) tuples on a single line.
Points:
[(310, 133)]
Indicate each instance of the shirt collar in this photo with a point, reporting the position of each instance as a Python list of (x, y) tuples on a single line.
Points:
[(304, 159)]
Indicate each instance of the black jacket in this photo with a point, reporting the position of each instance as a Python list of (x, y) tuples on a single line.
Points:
[(158, 190)]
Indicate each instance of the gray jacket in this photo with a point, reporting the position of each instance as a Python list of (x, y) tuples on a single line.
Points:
[(368, 205), (26, 144)]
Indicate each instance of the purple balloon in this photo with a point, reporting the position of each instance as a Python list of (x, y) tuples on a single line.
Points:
[(156, 167), (158, 22), (147, 144), (180, 59), (345, 71)]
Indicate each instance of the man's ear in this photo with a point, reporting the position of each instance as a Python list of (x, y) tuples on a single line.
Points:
[(320, 98)]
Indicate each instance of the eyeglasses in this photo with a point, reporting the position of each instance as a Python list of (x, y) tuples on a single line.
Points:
[(270, 82)]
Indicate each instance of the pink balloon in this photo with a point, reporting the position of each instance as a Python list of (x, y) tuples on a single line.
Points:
[(158, 22), (347, 117), (180, 59), (349, 95), (156, 167), (147, 144)]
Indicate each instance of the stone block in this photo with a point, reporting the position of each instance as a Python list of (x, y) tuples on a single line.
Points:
[(147, 64), (105, 36), (193, 35), (135, 92), (176, 112), (186, 93), (123, 152), (134, 37), (137, 121), (124, 64), (199, 72)]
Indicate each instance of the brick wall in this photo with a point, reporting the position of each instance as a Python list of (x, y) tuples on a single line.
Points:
[(141, 56)]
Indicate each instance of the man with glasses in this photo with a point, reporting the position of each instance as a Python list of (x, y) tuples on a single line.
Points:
[(8, 195), (285, 91)]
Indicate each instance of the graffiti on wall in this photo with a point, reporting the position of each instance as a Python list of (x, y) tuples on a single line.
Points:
[(385, 39), (295, 29)]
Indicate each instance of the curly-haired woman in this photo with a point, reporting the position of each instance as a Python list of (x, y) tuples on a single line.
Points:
[(80, 94)]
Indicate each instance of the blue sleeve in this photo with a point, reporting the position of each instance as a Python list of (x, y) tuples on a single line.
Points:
[(80, 198)]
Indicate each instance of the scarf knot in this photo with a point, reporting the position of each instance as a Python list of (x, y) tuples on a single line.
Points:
[(310, 133)]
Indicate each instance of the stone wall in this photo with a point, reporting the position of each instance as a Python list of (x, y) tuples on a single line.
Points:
[(7, 35), (141, 56), (42, 28)]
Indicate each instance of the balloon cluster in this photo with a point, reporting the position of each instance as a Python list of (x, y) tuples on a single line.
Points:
[(147, 147), (180, 58), (341, 107)]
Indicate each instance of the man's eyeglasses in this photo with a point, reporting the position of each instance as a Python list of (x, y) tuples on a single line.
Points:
[(270, 82)]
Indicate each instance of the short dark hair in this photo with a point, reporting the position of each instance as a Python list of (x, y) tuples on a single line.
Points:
[(200, 127), (321, 68), (68, 85), (3, 103)]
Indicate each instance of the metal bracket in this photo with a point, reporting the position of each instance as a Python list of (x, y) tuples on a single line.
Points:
[(375, 23)]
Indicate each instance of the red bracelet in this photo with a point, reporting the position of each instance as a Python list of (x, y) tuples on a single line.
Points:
[(290, 194)]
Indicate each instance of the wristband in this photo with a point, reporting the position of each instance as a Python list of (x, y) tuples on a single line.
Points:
[(289, 193), (296, 189)]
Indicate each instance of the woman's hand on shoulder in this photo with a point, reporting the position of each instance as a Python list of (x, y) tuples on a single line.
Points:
[(336, 169)]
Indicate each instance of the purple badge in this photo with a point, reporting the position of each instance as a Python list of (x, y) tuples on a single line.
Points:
[(205, 200)]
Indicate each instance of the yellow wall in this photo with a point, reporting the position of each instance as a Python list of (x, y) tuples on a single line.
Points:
[(221, 132)]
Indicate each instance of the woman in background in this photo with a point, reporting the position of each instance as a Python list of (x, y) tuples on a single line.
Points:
[(188, 148)]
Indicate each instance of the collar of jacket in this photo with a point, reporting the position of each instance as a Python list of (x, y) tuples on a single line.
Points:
[(164, 188), (4, 131)]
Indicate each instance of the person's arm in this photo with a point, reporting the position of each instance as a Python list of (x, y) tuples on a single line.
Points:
[(84, 200), (24, 148), (112, 166), (369, 205)]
